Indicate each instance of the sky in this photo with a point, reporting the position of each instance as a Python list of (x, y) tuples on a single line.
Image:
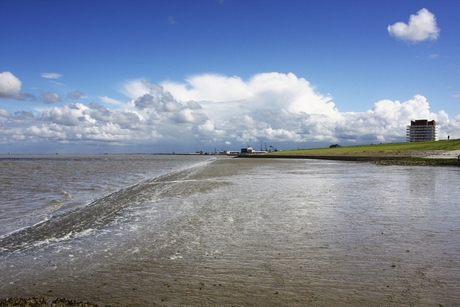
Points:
[(151, 76)]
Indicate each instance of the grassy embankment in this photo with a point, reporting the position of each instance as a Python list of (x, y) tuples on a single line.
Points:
[(406, 153)]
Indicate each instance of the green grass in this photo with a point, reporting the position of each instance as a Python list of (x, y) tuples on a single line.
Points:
[(383, 149)]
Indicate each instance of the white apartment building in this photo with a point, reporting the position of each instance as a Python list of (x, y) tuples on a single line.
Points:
[(422, 130)]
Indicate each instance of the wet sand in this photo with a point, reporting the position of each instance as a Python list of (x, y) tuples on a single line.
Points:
[(223, 252)]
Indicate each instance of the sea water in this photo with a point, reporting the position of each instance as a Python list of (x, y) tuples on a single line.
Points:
[(33, 188), (196, 230)]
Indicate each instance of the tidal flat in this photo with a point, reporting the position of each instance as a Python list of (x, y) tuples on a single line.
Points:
[(262, 232)]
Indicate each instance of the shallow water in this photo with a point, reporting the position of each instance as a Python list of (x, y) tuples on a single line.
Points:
[(34, 187), (250, 232)]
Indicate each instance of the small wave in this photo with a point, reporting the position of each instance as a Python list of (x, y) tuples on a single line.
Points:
[(55, 203), (51, 207), (100, 212), (66, 195)]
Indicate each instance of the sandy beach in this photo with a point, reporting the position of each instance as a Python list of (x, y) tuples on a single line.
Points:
[(450, 154)]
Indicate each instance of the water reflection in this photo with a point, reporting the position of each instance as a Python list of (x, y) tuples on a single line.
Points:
[(268, 233)]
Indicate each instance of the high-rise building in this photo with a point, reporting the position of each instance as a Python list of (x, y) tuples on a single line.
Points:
[(422, 130)]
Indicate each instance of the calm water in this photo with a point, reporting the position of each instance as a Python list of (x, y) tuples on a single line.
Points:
[(33, 188), (197, 231)]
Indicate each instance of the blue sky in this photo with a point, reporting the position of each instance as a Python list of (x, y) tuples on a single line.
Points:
[(162, 76)]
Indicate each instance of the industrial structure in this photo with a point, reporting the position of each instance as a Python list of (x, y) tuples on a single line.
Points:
[(422, 130)]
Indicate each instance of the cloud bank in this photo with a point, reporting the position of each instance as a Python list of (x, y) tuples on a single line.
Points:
[(422, 26), (214, 111)]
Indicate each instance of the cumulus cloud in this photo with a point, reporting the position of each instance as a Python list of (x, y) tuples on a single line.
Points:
[(221, 95), (75, 95), (135, 88), (10, 85), (51, 75), (50, 97), (384, 122), (271, 107), (421, 26)]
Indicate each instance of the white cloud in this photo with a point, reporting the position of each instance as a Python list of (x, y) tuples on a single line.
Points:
[(282, 107), (51, 75), (9, 85), (109, 100), (188, 116), (223, 96), (385, 121), (69, 115), (50, 97), (135, 88), (209, 87), (422, 26), (272, 107)]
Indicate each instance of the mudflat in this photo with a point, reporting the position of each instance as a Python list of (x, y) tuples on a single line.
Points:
[(259, 232)]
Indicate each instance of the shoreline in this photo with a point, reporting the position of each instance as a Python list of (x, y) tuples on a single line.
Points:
[(416, 158)]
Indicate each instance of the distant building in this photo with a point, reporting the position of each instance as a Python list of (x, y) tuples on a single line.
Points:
[(422, 130), (251, 151)]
